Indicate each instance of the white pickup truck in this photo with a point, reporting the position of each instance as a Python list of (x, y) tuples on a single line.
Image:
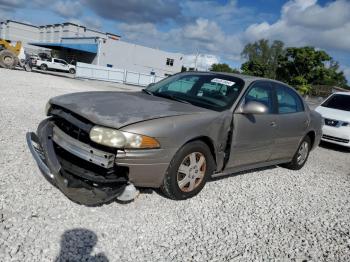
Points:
[(55, 64)]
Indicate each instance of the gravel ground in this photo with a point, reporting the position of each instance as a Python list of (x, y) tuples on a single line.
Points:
[(268, 214)]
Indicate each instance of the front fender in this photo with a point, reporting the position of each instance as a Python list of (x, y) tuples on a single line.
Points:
[(173, 132)]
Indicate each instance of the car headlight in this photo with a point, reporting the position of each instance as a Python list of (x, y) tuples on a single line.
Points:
[(120, 139), (47, 108)]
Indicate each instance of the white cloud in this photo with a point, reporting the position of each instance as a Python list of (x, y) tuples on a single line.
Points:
[(203, 36), (211, 9), (93, 23), (304, 22), (229, 15), (308, 13), (202, 61), (68, 9), (136, 11), (9, 5), (139, 31), (4, 15), (203, 30)]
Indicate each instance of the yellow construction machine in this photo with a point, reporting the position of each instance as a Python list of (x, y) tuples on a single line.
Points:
[(13, 55), (9, 54)]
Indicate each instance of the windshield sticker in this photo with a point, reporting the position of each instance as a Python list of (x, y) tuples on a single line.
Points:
[(223, 81)]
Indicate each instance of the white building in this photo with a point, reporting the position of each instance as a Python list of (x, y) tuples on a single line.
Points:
[(75, 42)]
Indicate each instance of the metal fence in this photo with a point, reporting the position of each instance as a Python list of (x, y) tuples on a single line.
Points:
[(89, 71)]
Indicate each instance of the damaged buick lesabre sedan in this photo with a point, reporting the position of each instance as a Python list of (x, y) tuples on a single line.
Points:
[(174, 135)]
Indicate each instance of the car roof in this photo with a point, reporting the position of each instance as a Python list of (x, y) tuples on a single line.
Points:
[(248, 78)]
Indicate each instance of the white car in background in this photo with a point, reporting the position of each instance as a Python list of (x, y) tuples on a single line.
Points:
[(55, 64), (335, 111)]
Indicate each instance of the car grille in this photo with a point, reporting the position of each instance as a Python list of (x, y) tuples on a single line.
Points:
[(331, 122), (75, 126), (72, 130), (337, 139)]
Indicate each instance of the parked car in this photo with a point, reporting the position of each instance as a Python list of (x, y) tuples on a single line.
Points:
[(174, 135), (336, 113), (55, 64)]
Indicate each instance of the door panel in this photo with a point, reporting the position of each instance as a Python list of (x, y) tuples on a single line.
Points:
[(252, 140), (253, 135), (292, 122), (56, 65), (290, 129)]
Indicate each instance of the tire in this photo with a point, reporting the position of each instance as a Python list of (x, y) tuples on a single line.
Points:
[(301, 156), (72, 71), (27, 67), (17, 62), (196, 174), (8, 59), (43, 67)]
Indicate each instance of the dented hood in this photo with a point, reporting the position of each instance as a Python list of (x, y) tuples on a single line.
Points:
[(118, 109)]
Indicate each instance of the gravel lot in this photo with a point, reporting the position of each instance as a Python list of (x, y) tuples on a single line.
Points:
[(269, 214)]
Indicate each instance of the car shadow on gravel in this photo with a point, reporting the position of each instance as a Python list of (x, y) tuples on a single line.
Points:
[(77, 245), (335, 147), (212, 179), (247, 172)]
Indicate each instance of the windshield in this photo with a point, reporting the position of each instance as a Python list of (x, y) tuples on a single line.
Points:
[(212, 91), (340, 102)]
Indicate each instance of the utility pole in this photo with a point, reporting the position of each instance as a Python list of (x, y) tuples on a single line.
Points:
[(195, 61)]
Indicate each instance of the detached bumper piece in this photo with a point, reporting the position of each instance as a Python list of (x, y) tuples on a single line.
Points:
[(81, 180)]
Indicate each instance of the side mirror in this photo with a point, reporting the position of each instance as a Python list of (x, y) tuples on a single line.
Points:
[(254, 108)]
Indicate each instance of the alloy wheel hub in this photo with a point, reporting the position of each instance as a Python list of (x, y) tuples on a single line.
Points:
[(302, 153), (8, 60), (191, 172)]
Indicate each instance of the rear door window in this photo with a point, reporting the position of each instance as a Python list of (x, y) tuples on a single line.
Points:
[(288, 100)]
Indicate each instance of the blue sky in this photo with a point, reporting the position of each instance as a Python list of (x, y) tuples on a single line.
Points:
[(218, 28)]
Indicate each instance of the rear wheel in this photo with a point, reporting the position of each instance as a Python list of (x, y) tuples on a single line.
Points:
[(301, 155), (188, 171), (8, 59)]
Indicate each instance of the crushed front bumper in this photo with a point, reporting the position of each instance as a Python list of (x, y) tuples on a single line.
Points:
[(76, 188)]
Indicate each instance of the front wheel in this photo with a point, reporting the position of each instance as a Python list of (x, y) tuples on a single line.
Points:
[(43, 67), (301, 155), (8, 59), (188, 171), (72, 71)]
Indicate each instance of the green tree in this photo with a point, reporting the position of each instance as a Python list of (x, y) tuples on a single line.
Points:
[(315, 66), (330, 75), (262, 58), (301, 85), (223, 68), (254, 68)]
